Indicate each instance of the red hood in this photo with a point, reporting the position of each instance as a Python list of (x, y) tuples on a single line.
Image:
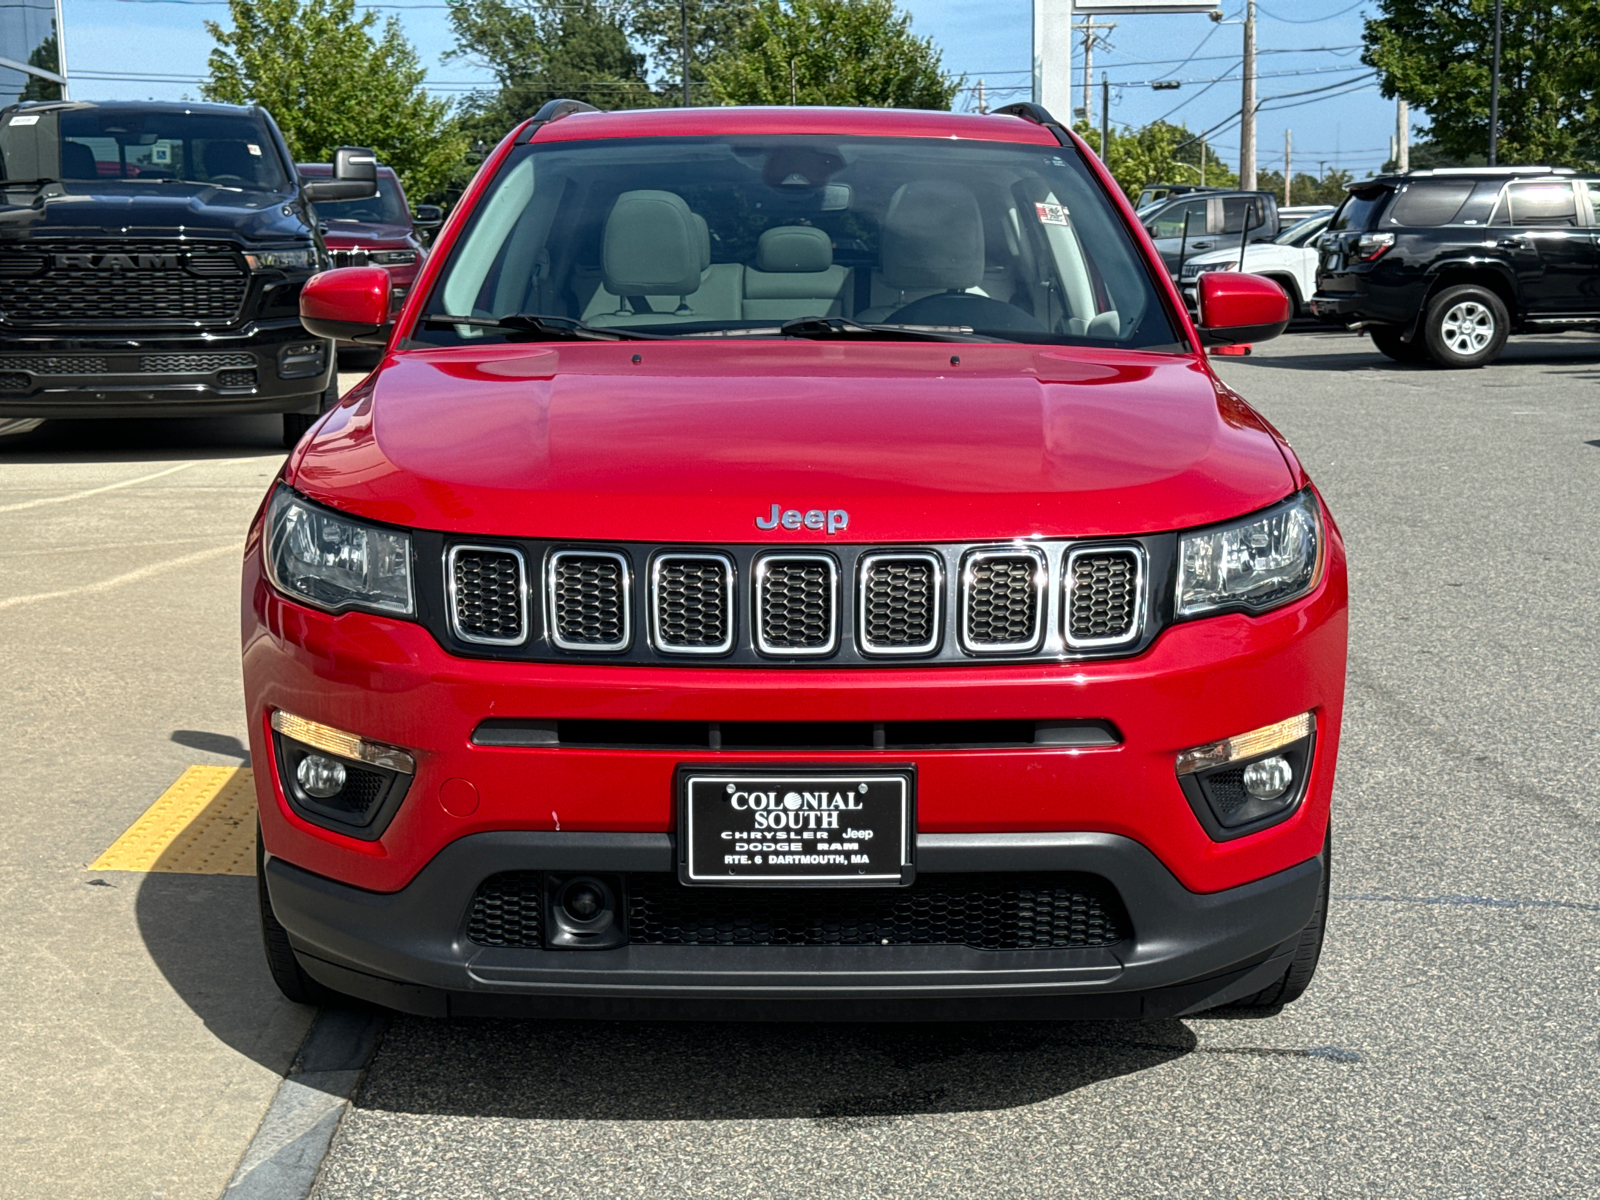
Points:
[(699, 438)]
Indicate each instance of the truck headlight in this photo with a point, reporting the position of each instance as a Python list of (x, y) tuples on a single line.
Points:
[(335, 563), (1254, 564), (393, 258), (282, 260)]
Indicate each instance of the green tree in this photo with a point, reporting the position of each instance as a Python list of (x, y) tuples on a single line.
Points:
[(1157, 153), (714, 26), (46, 56), (328, 81), (842, 52), (572, 51), (1438, 55)]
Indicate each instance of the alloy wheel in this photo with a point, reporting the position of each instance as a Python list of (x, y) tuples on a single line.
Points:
[(1467, 328)]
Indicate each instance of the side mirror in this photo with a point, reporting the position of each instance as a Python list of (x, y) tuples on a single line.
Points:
[(427, 217), (1235, 308), (355, 177), (349, 305)]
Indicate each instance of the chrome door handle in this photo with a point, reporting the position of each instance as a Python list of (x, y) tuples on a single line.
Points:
[(1513, 243), (1201, 245)]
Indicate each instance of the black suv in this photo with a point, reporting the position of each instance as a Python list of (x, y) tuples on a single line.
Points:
[(1444, 264), (1196, 223)]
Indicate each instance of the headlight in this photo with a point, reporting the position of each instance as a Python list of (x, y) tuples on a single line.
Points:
[(282, 260), (335, 563), (1191, 270), (1255, 564), (393, 258)]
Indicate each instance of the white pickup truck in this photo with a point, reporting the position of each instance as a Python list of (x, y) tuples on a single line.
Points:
[(1290, 259)]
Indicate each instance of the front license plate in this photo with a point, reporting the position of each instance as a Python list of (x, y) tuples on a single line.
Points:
[(806, 827)]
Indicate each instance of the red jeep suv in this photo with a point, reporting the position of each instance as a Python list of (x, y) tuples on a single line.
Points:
[(794, 562)]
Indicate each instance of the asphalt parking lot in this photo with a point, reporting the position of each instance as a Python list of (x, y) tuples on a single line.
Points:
[(1448, 1048)]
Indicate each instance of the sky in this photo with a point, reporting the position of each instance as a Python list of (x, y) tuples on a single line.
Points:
[(119, 49)]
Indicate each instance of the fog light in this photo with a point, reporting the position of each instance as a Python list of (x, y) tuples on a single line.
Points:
[(583, 900), (320, 777), (1269, 778), (584, 912)]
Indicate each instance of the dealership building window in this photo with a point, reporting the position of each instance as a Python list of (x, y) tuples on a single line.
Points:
[(33, 60)]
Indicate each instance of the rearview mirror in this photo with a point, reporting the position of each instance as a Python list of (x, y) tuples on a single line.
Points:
[(350, 304), (1236, 309), (355, 177)]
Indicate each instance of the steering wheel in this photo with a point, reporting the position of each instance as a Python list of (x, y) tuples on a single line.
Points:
[(966, 308)]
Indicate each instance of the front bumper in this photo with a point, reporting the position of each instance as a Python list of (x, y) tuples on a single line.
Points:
[(232, 372), (409, 949)]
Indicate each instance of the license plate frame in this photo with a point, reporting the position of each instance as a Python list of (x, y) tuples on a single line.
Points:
[(890, 860)]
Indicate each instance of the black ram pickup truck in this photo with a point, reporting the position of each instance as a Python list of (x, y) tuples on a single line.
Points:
[(151, 261)]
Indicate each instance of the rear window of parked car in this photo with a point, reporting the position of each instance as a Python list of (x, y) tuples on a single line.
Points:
[(1358, 210), (1430, 202)]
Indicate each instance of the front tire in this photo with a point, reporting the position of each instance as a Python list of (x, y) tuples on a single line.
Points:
[(1466, 327), (286, 970), (296, 425), (1387, 339), (1294, 981)]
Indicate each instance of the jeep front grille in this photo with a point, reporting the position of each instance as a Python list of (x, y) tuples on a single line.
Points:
[(588, 596), (763, 605), (691, 609), (1002, 601), (900, 603), (488, 595), (1103, 596), (797, 604), (121, 284)]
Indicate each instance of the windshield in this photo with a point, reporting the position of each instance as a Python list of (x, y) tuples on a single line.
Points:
[(388, 207), (689, 236), (158, 147), (1302, 231)]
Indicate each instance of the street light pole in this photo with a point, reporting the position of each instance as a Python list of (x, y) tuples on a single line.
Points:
[(684, 5), (1494, 92)]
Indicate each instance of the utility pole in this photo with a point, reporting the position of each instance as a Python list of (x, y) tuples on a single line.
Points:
[(1105, 115), (983, 104), (1288, 167), (1402, 136), (1052, 56), (684, 5), (1494, 92), (1247, 110), (1091, 38), (1202, 162)]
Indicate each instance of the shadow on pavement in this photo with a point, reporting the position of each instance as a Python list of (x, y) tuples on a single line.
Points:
[(147, 439), (203, 933), (577, 1070), (1338, 351), (213, 743)]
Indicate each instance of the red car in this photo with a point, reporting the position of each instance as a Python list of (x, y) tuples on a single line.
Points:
[(380, 231), (801, 559)]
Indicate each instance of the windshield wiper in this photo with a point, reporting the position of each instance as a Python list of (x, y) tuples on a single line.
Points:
[(548, 328), (842, 327)]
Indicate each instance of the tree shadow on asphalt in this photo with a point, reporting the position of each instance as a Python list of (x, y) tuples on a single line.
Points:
[(838, 1073)]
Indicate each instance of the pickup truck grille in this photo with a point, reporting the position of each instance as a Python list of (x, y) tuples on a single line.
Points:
[(121, 284), (768, 605)]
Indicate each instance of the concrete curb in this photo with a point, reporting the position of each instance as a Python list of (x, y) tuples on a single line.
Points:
[(287, 1151)]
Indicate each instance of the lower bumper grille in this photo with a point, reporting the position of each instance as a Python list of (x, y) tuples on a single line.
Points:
[(998, 911)]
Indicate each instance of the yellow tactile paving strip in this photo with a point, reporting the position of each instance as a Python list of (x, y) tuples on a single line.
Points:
[(204, 824)]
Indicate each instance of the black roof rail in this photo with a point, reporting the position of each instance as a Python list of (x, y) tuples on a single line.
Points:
[(554, 110), (1028, 111)]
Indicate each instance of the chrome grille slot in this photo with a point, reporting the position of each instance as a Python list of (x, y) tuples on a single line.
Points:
[(488, 595), (1002, 601), (589, 600), (900, 603), (1104, 602), (691, 603), (797, 604)]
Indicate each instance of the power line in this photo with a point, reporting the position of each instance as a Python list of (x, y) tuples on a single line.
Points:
[(1311, 20)]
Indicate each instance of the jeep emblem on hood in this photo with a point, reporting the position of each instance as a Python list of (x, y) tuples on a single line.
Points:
[(833, 520)]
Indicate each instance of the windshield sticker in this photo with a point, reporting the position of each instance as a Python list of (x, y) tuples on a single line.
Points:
[(30, 119), (253, 148), (1053, 214), (161, 154)]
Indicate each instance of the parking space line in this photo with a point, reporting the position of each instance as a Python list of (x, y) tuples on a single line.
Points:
[(110, 487), (204, 824), (105, 585)]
